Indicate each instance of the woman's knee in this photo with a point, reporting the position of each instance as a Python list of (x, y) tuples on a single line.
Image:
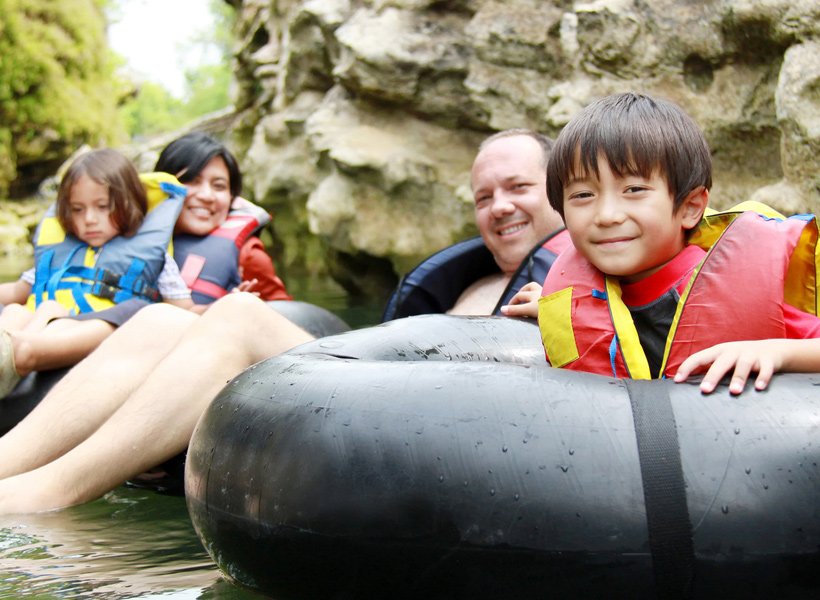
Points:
[(238, 303), (155, 325), (251, 324), (161, 315)]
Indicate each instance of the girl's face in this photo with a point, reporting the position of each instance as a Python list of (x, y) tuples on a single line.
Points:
[(91, 212), (208, 200)]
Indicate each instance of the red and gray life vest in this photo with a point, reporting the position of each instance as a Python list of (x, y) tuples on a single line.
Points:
[(210, 264), (86, 279), (436, 283), (757, 260)]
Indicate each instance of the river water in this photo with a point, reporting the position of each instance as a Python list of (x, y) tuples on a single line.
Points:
[(131, 543)]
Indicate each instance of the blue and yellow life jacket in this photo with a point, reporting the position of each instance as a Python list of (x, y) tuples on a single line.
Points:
[(86, 279), (436, 283), (757, 260), (210, 264)]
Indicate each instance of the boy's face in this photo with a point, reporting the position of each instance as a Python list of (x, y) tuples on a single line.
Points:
[(626, 226)]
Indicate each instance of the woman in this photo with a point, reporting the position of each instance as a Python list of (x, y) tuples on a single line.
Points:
[(214, 246), (133, 403)]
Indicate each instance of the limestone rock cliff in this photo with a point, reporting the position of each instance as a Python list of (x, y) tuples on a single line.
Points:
[(358, 119)]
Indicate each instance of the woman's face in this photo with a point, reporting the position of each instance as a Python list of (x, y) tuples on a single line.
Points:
[(208, 200)]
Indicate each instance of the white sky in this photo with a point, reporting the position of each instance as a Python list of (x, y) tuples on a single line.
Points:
[(154, 37)]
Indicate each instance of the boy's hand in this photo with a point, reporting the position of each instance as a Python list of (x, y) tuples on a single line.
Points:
[(524, 303), (763, 357)]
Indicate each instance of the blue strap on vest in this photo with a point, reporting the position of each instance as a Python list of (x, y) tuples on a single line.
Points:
[(613, 353), (53, 283)]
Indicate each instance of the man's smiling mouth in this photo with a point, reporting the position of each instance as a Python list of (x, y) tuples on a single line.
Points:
[(511, 229)]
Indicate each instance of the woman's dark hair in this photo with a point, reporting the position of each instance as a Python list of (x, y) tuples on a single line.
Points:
[(637, 135), (126, 194), (186, 156)]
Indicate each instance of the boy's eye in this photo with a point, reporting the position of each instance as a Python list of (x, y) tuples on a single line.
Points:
[(579, 195), (635, 189)]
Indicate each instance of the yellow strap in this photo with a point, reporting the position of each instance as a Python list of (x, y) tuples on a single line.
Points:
[(555, 322), (714, 223), (51, 232), (154, 193), (630, 343), (802, 278), (678, 312)]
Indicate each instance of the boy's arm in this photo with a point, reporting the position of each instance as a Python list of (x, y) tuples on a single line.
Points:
[(765, 357)]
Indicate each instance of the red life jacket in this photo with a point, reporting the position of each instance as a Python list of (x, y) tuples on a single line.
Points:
[(210, 264), (754, 265)]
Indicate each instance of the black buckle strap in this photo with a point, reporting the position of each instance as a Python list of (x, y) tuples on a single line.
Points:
[(106, 285)]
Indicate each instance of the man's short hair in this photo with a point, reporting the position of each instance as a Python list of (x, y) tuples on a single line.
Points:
[(638, 135), (543, 141)]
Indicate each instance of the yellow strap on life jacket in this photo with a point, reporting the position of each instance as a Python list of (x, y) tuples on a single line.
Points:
[(555, 323), (714, 222), (635, 358)]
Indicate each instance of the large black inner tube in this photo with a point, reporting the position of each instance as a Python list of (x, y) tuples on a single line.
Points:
[(439, 457)]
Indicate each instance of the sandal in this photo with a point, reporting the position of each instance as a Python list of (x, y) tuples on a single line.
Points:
[(8, 374)]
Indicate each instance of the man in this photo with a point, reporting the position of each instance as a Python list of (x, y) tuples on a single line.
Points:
[(134, 402), (520, 236)]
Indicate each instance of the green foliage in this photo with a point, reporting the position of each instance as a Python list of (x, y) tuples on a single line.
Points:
[(152, 109), (57, 88)]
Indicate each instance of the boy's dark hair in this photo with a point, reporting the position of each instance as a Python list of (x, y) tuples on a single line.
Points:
[(186, 156), (638, 135), (126, 194), (543, 141)]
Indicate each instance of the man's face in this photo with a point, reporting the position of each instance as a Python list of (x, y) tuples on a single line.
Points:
[(509, 187)]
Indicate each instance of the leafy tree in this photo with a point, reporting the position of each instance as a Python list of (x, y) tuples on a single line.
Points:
[(152, 109), (57, 84)]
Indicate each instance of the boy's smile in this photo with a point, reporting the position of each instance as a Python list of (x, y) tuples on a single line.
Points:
[(625, 225)]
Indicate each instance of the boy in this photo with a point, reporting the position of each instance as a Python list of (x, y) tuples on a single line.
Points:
[(638, 296)]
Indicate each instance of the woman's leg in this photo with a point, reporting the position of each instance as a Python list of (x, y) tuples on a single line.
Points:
[(156, 421), (93, 390)]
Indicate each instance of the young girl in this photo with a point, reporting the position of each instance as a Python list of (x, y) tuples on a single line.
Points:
[(99, 246)]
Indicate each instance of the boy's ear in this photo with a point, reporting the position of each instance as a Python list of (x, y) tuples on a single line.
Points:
[(692, 207)]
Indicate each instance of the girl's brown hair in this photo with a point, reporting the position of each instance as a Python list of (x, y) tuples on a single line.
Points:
[(126, 193)]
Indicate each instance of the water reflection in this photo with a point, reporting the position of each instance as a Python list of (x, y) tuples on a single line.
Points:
[(130, 544)]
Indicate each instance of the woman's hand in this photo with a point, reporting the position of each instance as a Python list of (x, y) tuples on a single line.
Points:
[(524, 303), (246, 286)]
